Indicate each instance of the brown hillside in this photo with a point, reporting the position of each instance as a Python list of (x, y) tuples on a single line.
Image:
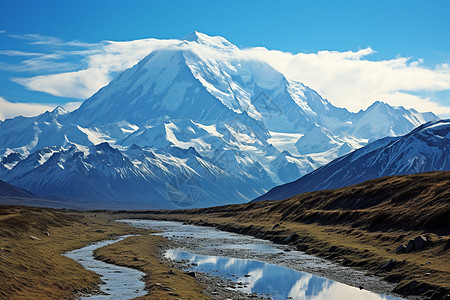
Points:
[(413, 202)]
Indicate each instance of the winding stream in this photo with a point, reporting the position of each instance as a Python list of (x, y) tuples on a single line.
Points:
[(120, 283), (248, 264)]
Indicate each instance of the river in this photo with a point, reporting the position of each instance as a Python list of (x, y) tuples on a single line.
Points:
[(255, 266)]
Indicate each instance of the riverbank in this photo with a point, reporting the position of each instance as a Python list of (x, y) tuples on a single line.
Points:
[(32, 241), (363, 234)]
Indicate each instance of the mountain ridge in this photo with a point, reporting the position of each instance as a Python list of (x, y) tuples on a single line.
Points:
[(238, 113), (426, 148)]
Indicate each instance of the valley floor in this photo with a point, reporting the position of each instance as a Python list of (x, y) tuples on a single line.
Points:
[(361, 234), (32, 267)]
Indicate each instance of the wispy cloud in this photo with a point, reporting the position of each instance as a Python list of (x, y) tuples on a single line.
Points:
[(352, 80), (13, 109), (77, 85), (99, 62), (18, 53), (39, 39), (348, 79)]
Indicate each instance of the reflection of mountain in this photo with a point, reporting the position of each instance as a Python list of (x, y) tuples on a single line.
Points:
[(277, 281), (199, 108)]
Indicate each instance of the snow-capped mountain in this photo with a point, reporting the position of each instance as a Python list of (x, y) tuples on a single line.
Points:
[(197, 122), (426, 148)]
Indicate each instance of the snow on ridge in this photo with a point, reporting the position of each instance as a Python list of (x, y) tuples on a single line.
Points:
[(200, 112)]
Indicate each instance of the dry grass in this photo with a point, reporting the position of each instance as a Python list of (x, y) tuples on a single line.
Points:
[(35, 269), (358, 226), (162, 281)]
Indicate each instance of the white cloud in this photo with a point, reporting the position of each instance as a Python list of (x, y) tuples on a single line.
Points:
[(349, 79), (102, 60), (12, 109), (18, 53), (39, 39), (78, 84)]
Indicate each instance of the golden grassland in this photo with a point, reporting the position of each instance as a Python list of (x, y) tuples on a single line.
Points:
[(33, 267), (358, 226)]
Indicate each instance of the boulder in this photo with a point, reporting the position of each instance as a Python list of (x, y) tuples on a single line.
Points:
[(388, 266), (191, 273), (416, 244), (400, 249), (409, 247), (419, 242), (290, 238)]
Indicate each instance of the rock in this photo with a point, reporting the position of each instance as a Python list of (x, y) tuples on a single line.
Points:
[(166, 288), (247, 275), (275, 226), (34, 238), (416, 244), (388, 266), (400, 249), (191, 273), (419, 242), (100, 231), (47, 233), (409, 247), (290, 238), (171, 272), (135, 259)]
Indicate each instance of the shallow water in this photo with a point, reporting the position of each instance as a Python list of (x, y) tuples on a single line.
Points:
[(120, 282), (282, 275), (271, 280)]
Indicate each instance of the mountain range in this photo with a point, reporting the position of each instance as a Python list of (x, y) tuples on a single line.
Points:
[(195, 123), (426, 148)]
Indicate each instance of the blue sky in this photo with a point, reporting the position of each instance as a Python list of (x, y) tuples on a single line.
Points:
[(33, 33)]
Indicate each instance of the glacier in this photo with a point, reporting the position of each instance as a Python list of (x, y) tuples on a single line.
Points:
[(197, 122)]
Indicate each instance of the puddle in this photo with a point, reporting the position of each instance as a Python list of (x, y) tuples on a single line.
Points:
[(120, 282), (250, 276)]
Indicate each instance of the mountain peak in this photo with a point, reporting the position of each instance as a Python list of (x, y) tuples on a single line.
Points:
[(204, 39), (59, 110), (193, 36), (379, 104)]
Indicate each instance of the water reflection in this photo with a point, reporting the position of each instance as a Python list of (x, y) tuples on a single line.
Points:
[(276, 281)]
